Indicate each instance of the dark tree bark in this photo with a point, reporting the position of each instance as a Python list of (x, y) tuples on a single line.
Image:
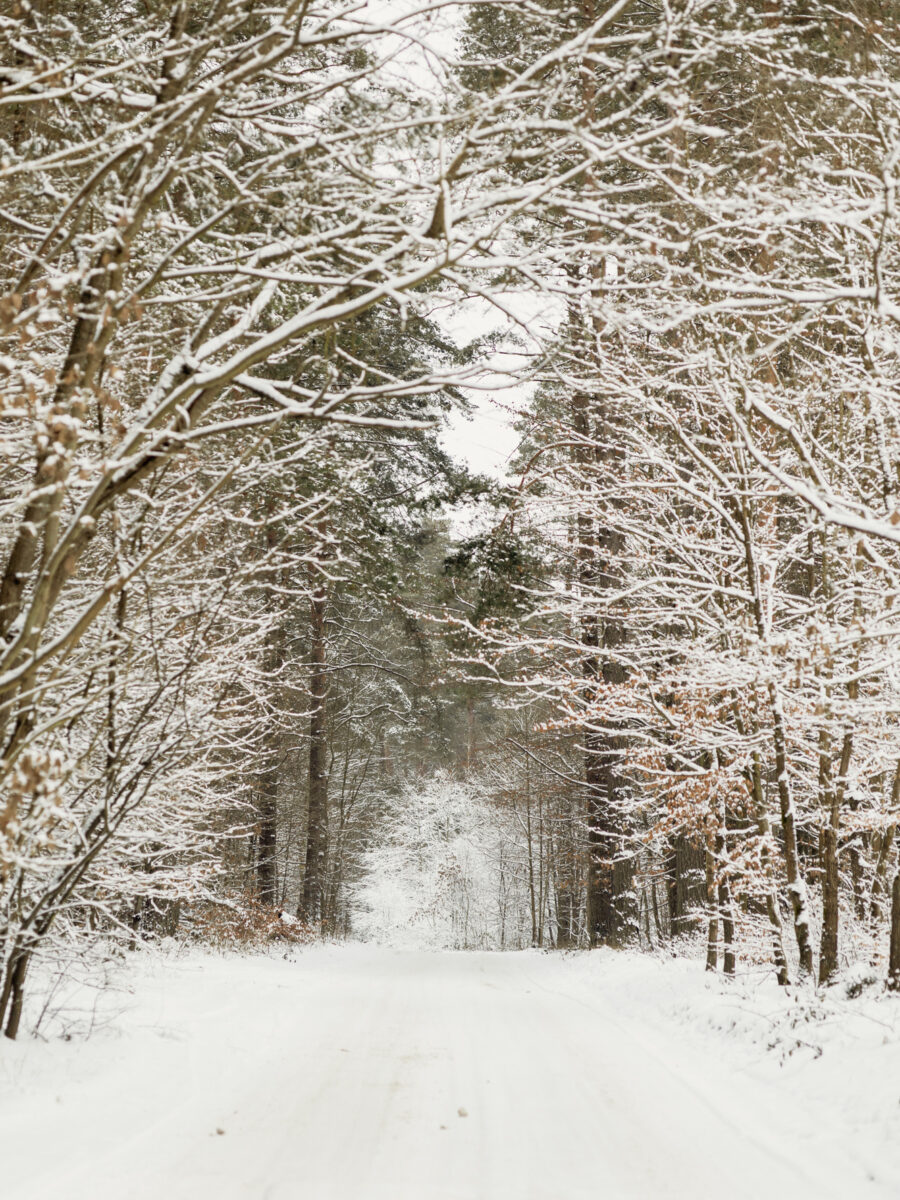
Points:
[(16, 996), (611, 915), (712, 933), (610, 903), (726, 909), (317, 822), (894, 960), (828, 949), (266, 841), (685, 884), (880, 886)]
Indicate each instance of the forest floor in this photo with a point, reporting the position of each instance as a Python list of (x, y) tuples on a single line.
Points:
[(360, 1073)]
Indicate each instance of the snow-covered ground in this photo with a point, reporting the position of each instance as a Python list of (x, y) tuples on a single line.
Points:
[(361, 1073)]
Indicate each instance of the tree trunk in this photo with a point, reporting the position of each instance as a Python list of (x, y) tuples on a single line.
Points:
[(832, 793), (712, 934), (611, 916), (796, 885), (267, 794), (564, 876), (894, 961), (726, 911), (532, 898), (266, 842), (685, 884), (14, 995), (317, 821), (764, 827), (828, 951), (880, 880)]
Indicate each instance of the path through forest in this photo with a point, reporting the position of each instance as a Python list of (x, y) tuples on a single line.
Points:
[(368, 1074)]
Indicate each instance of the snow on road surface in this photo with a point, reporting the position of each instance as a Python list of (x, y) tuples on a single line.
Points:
[(357, 1073)]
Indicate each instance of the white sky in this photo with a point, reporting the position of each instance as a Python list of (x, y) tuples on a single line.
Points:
[(488, 441)]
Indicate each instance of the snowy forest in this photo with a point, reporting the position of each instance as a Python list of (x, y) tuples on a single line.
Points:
[(251, 662), (279, 662)]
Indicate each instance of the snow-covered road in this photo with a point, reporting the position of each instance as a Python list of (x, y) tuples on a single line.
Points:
[(368, 1074)]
